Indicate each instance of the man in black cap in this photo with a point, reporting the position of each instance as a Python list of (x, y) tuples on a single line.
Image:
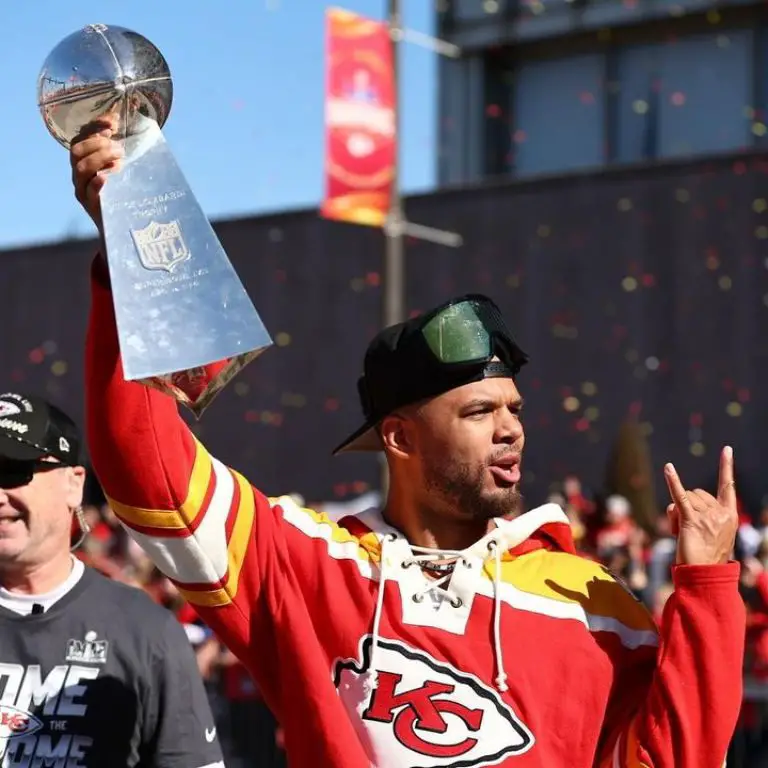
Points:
[(445, 629), (92, 673), (39, 455)]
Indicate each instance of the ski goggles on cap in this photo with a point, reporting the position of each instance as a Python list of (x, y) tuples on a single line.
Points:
[(461, 341), (464, 332)]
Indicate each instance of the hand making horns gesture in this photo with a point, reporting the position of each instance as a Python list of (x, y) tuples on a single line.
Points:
[(705, 525)]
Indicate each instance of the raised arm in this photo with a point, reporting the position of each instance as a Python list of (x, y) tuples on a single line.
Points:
[(192, 515), (680, 708), (236, 555)]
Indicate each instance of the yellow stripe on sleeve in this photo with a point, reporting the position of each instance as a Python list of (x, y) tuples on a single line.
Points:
[(171, 519), (240, 538)]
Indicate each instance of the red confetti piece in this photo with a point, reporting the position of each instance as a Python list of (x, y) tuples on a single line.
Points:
[(36, 356), (331, 404), (696, 419)]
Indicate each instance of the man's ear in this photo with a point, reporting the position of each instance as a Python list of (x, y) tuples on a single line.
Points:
[(398, 435), (75, 487)]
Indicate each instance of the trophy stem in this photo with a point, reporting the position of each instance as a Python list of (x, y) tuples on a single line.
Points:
[(179, 303)]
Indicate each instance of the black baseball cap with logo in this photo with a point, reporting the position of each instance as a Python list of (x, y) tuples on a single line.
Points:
[(32, 429), (459, 342)]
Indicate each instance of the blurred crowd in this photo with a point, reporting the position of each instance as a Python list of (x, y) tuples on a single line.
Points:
[(605, 530)]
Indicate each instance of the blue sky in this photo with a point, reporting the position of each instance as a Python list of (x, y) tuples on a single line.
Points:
[(247, 118)]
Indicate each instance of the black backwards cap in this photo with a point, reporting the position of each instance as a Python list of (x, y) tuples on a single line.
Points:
[(400, 369)]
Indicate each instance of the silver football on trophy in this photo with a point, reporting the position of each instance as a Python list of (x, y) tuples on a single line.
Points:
[(103, 72)]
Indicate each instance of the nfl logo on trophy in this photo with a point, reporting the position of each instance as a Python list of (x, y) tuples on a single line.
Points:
[(161, 246)]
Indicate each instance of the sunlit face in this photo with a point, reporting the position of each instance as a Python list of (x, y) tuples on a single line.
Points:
[(36, 518), (467, 445)]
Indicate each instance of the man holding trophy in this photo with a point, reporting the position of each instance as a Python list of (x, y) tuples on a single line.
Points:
[(447, 629)]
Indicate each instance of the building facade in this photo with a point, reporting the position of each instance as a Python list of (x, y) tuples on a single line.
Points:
[(559, 86), (641, 294)]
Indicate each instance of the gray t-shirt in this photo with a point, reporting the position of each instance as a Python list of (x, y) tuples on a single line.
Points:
[(104, 678)]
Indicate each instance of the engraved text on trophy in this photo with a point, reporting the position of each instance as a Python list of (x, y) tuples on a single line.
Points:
[(161, 245)]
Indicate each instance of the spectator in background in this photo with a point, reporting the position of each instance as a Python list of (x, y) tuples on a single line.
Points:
[(618, 527), (575, 497), (750, 749), (661, 555), (253, 730)]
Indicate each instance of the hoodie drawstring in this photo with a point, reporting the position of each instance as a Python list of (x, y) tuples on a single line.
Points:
[(372, 675), (438, 586), (501, 677)]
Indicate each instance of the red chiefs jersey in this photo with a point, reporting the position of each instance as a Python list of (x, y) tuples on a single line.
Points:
[(534, 656)]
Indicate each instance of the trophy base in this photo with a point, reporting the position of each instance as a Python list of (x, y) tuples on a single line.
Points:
[(197, 388), (185, 322)]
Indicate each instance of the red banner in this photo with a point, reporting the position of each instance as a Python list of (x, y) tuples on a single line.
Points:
[(360, 125)]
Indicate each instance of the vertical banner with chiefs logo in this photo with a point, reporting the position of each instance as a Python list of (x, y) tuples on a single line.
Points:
[(360, 124)]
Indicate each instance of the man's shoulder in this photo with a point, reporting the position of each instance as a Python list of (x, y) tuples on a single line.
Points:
[(131, 604), (575, 578), (361, 522)]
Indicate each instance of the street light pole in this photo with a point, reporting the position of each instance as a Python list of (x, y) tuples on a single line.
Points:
[(394, 257)]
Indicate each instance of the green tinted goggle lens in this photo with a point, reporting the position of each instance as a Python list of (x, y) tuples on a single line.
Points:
[(458, 335)]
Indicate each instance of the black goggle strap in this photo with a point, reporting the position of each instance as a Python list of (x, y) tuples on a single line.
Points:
[(498, 370)]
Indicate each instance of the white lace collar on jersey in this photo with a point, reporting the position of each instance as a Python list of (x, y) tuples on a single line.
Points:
[(396, 553)]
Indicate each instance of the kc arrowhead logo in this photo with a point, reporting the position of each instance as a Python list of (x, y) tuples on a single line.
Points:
[(425, 713)]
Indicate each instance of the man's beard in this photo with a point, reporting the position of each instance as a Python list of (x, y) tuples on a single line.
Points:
[(458, 486)]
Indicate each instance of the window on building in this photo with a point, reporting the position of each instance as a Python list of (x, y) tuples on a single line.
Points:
[(759, 114), (498, 81), (690, 96), (559, 113), (476, 10)]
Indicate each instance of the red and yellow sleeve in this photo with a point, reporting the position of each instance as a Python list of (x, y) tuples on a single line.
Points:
[(192, 515), (679, 708), (234, 554)]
